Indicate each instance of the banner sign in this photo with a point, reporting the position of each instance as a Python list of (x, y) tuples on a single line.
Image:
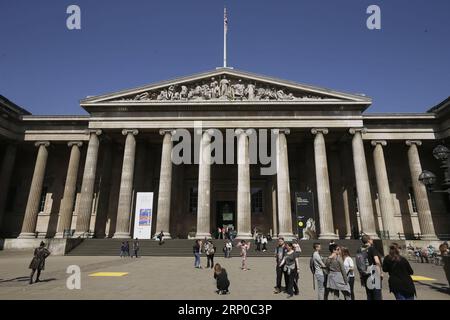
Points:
[(143, 215), (306, 221)]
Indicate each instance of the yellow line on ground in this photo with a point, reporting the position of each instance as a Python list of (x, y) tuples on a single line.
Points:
[(108, 274), (422, 278)]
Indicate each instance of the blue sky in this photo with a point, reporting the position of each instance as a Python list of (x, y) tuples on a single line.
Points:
[(47, 69)]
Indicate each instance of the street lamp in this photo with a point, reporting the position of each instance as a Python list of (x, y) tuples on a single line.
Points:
[(428, 178)]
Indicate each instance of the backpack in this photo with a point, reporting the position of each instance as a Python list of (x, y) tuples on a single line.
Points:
[(362, 261)]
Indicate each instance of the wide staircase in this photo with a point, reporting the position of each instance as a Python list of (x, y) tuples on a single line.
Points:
[(183, 247)]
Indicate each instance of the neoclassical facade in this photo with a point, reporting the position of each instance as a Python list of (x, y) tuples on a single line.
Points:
[(82, 173)]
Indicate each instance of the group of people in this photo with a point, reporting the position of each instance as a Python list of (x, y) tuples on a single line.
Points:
[(336, 274), (226, 233), (125, 249)]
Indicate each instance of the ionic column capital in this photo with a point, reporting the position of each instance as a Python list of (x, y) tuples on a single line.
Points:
[(169, 131), (319, 130), (79, 144), (355, 130), (207, 132), (134, 132), (380, 142), (92, 131), (244, 131), (42, 143), (282, 130), (409, 143)]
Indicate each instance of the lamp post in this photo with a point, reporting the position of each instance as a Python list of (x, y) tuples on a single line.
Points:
[(428, 178)]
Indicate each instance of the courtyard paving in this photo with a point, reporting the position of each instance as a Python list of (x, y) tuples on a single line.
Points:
[(173, 278)]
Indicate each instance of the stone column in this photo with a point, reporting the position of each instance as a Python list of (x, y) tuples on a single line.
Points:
[(243, 189), (323, 185), (87, 186), (165, 185), (126, 186), (420, 192), (70, 189), (204, 188), (31, 211), (344, 158), (283, 188), (5, 176), (274, 206), (384, 193), (362, 184)]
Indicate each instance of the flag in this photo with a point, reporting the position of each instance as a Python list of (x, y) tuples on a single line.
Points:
[(225, 19)]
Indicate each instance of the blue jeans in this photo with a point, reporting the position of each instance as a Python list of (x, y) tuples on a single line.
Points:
[(197, 260), (400, 296)]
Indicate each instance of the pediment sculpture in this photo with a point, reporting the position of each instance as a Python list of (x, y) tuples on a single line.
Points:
[(224, 89)]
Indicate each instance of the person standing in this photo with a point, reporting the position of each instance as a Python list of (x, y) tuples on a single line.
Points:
[(258, 242), (245, 246), (337, 280), (400, 272), (210, 250), (319, 271), (349, 267), (221, 276), (264, 243), (135, 248), (196, 250), (38, 261), (371, 273), (127, 248), (123, 250), (161, 237), (291, 268), (443, 248), (227, 248), (280, 252)]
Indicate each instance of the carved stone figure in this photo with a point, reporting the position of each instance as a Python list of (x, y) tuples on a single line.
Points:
[(281, 95), (183, 93), (206, 92), (142, 96), (250, 91), (238, 89), (215, 90), (224, 87), (170, 93), (260, 93), (162, 95)]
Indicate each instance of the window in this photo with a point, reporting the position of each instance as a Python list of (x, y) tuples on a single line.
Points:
[(257, 200), (413, 199), (42, 200), (193, 198)]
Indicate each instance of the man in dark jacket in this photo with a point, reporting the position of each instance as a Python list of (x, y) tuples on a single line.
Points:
[(38, 262)]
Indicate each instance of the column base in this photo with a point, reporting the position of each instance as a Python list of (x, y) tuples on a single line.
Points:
[(348, 236), (27, 235), (244, 236), (59, 235), (286, 236), (122, 235), (429, 237), (330, 236), (202, 235), (373, 236), (82, 234)]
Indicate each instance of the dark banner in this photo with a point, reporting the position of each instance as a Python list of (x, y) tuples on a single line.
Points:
[(306, 221)]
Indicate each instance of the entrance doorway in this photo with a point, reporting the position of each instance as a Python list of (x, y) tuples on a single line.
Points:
[(226, 214)]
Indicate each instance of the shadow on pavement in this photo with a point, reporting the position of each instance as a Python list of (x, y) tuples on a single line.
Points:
[(440, 287), (18, 279)]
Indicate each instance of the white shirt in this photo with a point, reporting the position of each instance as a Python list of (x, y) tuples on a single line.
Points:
[(348, 264)]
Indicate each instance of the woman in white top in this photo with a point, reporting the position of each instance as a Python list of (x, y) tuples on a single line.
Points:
[(349, 267)]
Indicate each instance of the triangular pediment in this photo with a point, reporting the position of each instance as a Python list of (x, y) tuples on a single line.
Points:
[(225, 85)]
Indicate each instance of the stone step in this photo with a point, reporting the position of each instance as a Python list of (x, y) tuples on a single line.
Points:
[(183, 247)]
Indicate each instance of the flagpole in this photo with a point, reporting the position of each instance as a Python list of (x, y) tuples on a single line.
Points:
[(225, 37)]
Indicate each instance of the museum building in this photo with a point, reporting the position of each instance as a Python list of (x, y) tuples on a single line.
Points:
[(78, 176)]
